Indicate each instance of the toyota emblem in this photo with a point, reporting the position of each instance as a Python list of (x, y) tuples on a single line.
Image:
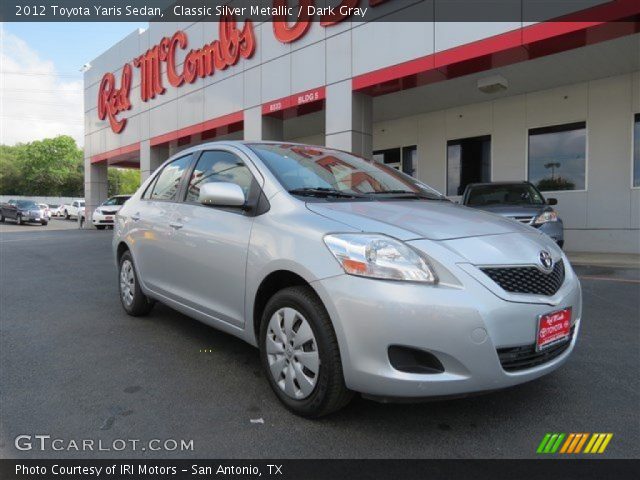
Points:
[(545, 260)]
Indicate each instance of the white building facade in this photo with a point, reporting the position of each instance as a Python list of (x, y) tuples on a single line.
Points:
[(555, 103)]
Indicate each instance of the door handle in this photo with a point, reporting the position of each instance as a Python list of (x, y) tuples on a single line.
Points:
[(135, 217), (175, 225)]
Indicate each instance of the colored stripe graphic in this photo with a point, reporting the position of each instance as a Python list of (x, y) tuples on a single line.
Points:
[(598, 443), (550, 443), (572, 443)]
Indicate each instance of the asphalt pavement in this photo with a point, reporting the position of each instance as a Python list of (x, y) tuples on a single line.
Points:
[(74, 366)]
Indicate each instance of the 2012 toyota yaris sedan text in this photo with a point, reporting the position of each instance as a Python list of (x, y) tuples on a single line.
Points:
[(347, 274)]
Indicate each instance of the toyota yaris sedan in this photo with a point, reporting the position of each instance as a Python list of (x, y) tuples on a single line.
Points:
[(347, 274)]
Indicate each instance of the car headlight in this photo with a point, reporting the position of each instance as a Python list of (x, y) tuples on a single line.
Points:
[(379, 256), (544, 217)]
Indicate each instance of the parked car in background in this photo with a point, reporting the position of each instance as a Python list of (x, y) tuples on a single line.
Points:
[(349, 275), (104, 215), (71, 210), (46, 212), (520, 201), (23, 211), (56, 210)]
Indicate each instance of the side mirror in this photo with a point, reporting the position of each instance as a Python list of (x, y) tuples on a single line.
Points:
[(552, 201), (222, 194)]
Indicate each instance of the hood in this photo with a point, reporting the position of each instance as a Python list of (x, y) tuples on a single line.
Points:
[(412, 219), (513, 210)]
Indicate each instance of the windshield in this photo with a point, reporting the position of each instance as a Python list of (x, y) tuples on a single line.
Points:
[(26, 204), (317, 171), (509, 194)]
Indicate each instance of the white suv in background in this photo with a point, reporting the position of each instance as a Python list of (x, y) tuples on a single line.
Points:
[(104, 215)]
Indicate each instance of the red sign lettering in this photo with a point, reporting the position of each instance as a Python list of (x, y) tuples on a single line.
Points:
[(232, 44), (112, 100)]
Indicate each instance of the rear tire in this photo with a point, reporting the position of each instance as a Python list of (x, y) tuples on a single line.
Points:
[(45, 223), (19, 220), (134, 302), (1, 218), (66, 215), (329, 392)]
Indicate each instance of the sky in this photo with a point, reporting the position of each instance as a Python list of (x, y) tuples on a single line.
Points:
[(41, 90)]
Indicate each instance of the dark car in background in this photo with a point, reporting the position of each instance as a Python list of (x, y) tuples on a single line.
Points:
[(520, 201), (23, 211)]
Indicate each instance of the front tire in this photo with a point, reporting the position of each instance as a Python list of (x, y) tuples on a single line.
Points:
[(300, 354), (44, 223), (19, 220), (1, 218), (134, 302), (66, 215)]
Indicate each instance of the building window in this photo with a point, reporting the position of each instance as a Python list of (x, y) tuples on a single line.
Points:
[(403, 159), (468, 161), (557, 157), (636, 151)]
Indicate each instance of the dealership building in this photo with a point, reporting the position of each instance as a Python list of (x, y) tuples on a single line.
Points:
[(556, 103)]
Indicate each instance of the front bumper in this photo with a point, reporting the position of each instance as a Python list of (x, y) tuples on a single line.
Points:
[(33, 219), (463, 326), (103, 219)]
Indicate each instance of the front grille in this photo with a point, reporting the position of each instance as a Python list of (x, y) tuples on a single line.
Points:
[(109, 212), (520, 358), (527, 279)]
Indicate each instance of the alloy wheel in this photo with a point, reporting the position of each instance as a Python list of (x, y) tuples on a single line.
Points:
[(127, 282), (292, 353)]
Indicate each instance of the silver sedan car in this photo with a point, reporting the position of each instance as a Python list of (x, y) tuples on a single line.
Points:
[(347, 274)]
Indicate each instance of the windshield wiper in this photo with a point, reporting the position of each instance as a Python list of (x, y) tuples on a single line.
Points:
[(322, 192), (406, 194)]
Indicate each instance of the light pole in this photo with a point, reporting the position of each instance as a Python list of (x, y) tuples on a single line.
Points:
[(552, 166)]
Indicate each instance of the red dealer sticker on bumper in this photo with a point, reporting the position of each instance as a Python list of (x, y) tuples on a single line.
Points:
[(553, 327)]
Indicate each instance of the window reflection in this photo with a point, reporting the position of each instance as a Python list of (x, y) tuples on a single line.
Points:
[(218, 166), (168, 182), (557, 157)]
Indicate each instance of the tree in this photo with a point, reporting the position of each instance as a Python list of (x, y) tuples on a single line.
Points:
[(52, 166), (552, 184), (123, 181), (10, 172)]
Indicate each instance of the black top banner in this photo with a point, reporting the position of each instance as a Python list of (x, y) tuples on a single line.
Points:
[(328, 11)]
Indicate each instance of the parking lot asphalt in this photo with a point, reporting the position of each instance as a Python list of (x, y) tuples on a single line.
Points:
[(74, 366), (54, 224)]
